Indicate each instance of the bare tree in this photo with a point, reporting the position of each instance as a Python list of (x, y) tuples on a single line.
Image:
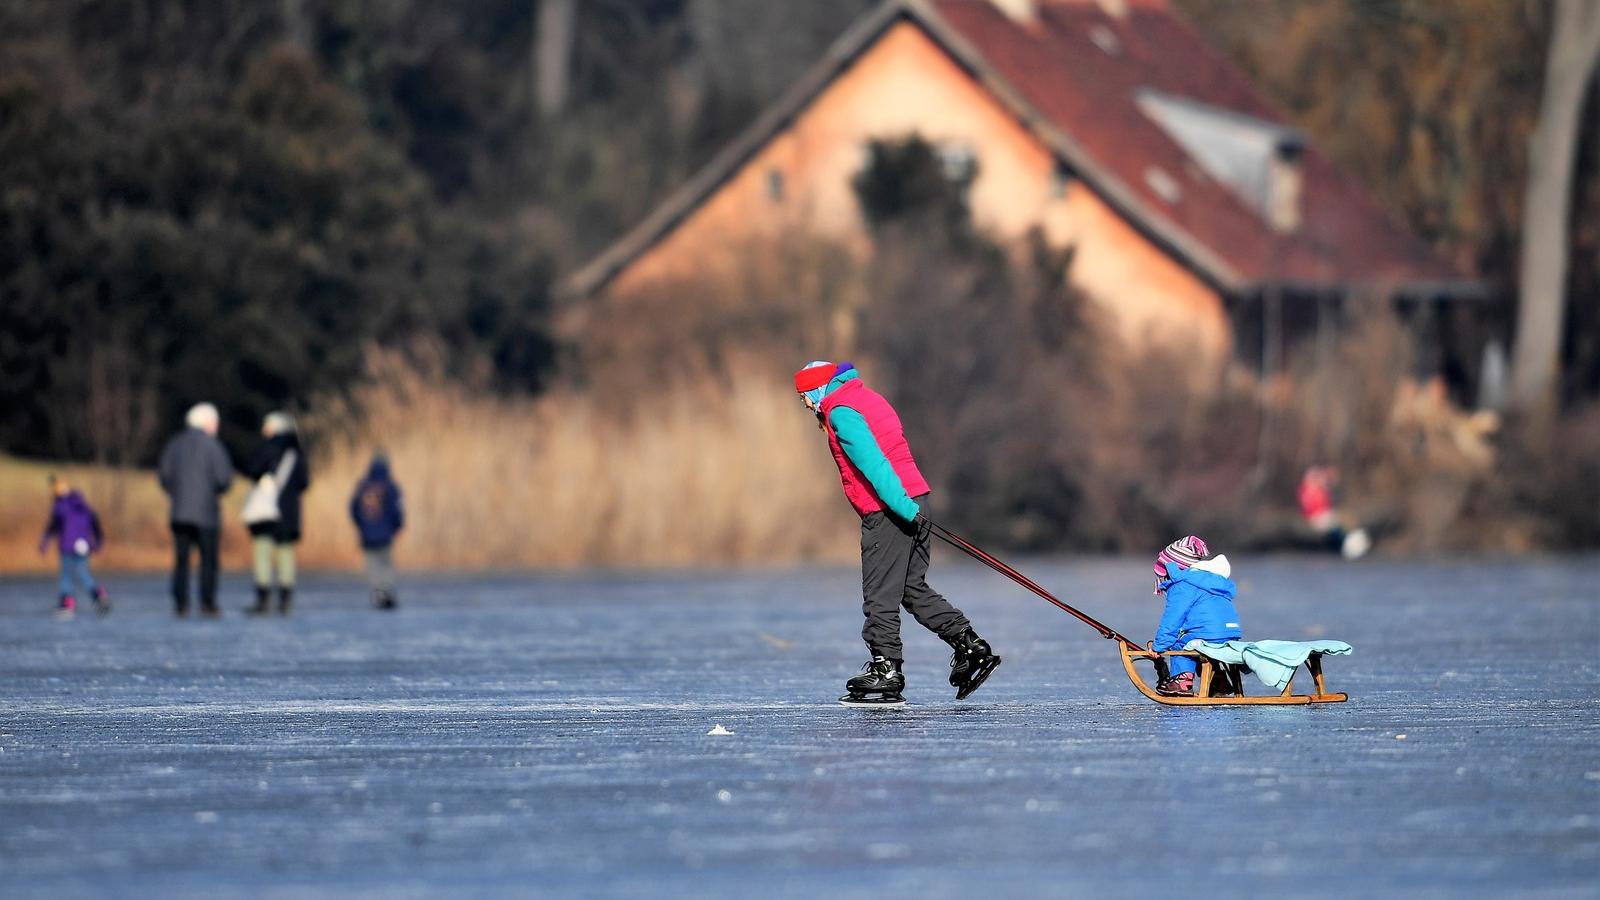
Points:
[(120, 411), (552, 53), (1574, 49)]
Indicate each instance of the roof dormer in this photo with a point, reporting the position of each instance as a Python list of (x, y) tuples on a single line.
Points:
[(1257, 160)]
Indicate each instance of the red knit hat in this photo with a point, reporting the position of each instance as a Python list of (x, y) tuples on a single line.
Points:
[(813, 376)]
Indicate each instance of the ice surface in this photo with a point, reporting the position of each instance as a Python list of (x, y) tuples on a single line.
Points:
[(548, 735)]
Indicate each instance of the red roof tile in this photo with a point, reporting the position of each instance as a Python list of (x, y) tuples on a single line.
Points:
[(1090, 94)]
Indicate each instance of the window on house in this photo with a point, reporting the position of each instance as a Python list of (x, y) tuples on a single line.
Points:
[(775, 185), (1060, 180), (1162, 182), (1106, 40), (957, 161), (1284, 188)]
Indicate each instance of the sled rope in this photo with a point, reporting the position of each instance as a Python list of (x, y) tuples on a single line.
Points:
[(987, 559)]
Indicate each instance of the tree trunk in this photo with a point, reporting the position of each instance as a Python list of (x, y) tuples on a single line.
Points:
[(1541, 284), (552, 53)]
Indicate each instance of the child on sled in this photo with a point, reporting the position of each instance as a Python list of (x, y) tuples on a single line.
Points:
[(1199, 606)]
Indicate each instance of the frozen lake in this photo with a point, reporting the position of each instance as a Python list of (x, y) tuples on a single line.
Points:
[(547, 735)]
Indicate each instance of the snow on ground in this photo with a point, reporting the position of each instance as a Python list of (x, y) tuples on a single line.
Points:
[(549, 735)]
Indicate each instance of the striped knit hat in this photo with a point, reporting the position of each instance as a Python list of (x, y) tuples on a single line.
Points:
[(1185, 551)]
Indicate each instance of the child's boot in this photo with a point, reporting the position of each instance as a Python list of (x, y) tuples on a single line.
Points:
[(102, 601), (1177, 686), (285, 598), (68, 607), (263, 602)]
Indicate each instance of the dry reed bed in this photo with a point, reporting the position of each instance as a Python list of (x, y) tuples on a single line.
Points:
[(726, 472), (698, 474)]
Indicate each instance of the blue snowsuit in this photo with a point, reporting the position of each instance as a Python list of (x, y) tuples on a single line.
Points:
[(1199, 606)]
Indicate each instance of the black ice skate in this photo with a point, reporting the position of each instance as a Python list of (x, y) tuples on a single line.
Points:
[(971, 662), (879, 684)]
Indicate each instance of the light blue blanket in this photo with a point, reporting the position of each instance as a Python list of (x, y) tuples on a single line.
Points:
[(1273, 662)]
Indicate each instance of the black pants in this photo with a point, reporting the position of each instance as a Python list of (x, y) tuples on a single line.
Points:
[(894, 573), (185, 537)]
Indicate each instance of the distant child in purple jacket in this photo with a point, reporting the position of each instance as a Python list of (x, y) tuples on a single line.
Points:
[(77, 529)]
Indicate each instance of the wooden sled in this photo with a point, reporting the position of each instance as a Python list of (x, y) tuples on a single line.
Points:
[(1219, 684), (1226, 682)]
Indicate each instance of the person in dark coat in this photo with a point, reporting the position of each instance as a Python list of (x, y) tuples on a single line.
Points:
[(76, 527), (379, 514), (272, 541), (195, 470)]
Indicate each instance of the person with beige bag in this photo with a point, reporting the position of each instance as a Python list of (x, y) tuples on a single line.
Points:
[(272, 510)]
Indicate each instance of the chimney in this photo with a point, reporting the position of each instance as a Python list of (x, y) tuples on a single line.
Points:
[(1283, 187), (1023, 12)]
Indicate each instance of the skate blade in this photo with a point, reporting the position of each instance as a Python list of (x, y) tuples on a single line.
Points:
[(852, 700), (979, 676)]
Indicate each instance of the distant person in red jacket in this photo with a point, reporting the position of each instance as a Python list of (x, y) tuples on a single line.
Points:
[(1317, 506), (76, 528), (883, 485)]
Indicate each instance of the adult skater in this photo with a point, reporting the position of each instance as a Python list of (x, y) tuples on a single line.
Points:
[(195, 471), (275, 530), (1317, 507), (882, 483)]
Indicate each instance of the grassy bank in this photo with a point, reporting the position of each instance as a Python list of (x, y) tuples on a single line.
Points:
[(726, 469), (131, 506)]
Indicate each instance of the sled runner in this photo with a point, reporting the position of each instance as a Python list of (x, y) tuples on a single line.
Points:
[(1219, 683)]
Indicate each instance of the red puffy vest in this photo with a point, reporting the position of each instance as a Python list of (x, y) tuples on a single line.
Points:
[(885, 425)]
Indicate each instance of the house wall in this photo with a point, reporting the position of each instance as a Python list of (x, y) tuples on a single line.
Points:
[(905, 83)]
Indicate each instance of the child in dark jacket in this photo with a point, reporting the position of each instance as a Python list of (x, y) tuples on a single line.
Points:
[(379, 514), (1199, 606), (77, 530)]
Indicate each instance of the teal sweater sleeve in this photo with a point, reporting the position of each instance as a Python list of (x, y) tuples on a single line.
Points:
[(863, 451)]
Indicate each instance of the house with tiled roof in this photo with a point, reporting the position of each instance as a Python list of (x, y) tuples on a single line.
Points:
[(1109, 125)]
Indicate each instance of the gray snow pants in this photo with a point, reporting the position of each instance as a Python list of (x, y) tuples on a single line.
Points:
[(380, 568), (894, 573)]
